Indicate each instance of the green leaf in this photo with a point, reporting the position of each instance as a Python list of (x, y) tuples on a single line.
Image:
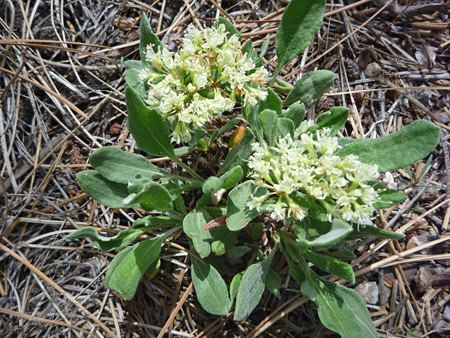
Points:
[(273, 282), (122, 167), (147, 37), (230, 28), (152, 222), (339, 230), (147, 126), (133, 64), (211, 289), (239, 154), (103, 191), (193, 224), (341, 310), (285, 126), (342, 254), (238, 214), (269, 123), (251, 114), (300, 22), (398, 149), (272, 102), (151, 196), (310, 87), (369, 230), (333, 119), (296, 113), (250, 51), (226, 181), (388, 197), (235, 253), (133, 79), (252, 287), (234, 285), (331, 265), (115, 243), (128, 267)]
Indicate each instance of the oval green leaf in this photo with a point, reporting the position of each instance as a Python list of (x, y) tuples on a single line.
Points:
[(211, 289), (251, 287), (121, 166), (147, 126), (310, 87), (397, 150), (128, 267), (300, 23), (106, 192)]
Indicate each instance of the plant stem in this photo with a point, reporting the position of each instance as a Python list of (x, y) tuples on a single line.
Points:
[(188, 169), (275, 74)]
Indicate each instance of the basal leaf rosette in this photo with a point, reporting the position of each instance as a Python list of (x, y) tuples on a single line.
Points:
[(298, 172), (208, 76)]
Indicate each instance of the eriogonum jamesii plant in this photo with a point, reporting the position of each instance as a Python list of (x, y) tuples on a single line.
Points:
[(289, 190)]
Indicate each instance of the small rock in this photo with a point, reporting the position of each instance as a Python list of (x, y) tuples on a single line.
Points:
[(373, 70), (417, 241), (424, 278), (446, 313), (352, 69), (369, 291)]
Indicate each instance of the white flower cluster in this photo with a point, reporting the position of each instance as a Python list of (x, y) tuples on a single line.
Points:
[(310, 166), (205, 78)]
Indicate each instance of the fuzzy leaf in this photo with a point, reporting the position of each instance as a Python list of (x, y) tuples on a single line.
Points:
[(331, 265), (122, 167), (273, 282), (388, 198), (300, 22), (285, 126), (128, 267), (339, 230), (296, 113), (226, 181), (272, 102), (115, 243), (147, 37), (251, 288), (103, 191), (341, 310), (369, 230), (238, 214), (151, 196), (269, 123), (248, 49), (230, 28), (147, 126), (398, 149), (234, 285), (211, 289), (310, 87), (193, 224), (333, 119), (133, 79)]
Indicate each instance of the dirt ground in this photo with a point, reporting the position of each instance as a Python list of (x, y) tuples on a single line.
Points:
[(61, 96)]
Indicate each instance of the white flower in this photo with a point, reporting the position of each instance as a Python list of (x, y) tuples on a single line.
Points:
[(309, 166), (202, 80)]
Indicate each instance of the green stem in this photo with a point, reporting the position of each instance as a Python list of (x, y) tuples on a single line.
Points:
[(188, 169), (275, 74)]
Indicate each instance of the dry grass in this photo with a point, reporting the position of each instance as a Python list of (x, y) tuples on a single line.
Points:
[(61, 97)]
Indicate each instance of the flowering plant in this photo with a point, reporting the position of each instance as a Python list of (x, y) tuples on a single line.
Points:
[(291, 179)]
